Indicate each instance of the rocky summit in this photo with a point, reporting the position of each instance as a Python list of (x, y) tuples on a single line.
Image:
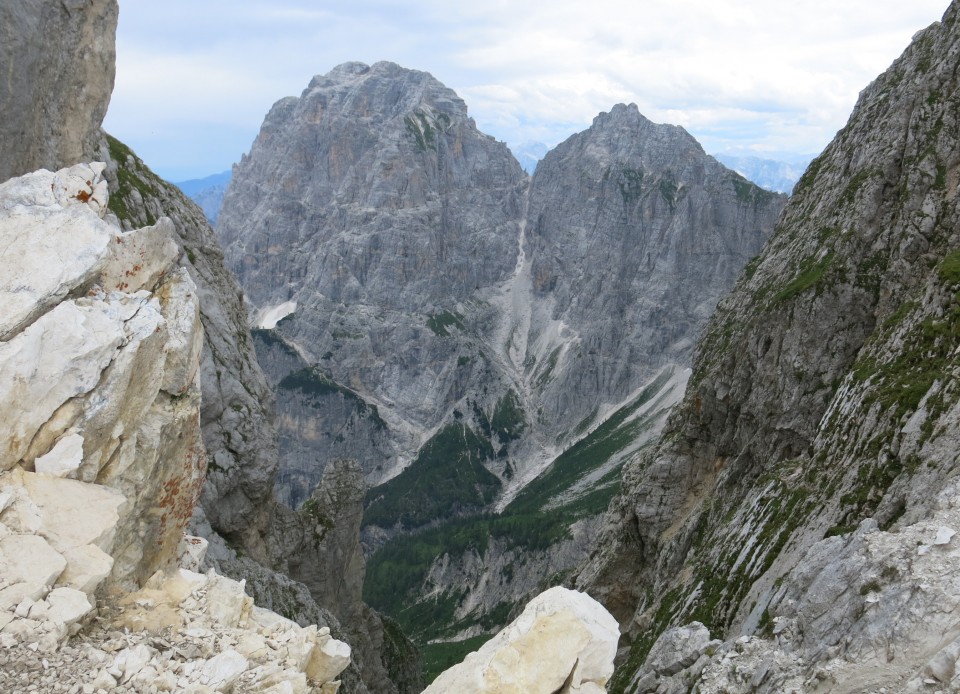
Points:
[(411, 275)]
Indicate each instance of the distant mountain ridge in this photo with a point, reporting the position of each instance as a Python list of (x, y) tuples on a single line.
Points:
[(773, 174)]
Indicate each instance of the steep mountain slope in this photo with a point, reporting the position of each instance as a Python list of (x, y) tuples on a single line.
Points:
[(823, 399), (633, 233)]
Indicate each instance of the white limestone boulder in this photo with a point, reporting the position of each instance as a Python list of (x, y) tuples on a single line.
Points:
[(67, 607), (222, 671), (59, 357), (564, 640), (53, 240), (329, 659), (64, 458), (30, 567)]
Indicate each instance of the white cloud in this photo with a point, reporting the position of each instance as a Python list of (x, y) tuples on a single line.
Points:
[(748, 74)]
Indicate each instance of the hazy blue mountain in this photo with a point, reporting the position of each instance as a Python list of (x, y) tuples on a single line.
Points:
[(207, 192), (529, 154), (773, 174)]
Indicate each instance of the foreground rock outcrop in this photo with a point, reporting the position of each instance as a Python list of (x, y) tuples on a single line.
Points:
[(102, 463), (823, 408), (564, 642), (250, 533)]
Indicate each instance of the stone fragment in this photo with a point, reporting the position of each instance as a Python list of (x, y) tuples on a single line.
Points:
[(226, 601), (60, 356), (180, 307), (72, 514), (30, 559), (679, 648), (944, 535), (562, 639), (329, 659), (130, 661), (138, 259), (191, 552), (221, 671), (68, 606), (64, 458), (57, 249), (87, 567), (943, 666)]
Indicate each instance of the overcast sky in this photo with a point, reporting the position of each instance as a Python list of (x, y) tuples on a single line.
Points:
[(195, 79)]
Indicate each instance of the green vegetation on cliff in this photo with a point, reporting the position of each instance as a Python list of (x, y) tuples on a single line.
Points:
[(446, 479)]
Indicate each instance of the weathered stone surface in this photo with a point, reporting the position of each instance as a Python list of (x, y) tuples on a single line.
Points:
[(236, 404), (30, 559), (563, 641), (139, 258), (59, 60)]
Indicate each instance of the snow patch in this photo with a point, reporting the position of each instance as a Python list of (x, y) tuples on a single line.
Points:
[(268, 317)]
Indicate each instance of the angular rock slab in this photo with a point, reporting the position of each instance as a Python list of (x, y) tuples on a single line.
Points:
[(59, 357), (53, 240), (563, 641)]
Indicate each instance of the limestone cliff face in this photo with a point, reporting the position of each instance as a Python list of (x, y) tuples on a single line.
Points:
[(55, 92), (823, 394), (100, 364)]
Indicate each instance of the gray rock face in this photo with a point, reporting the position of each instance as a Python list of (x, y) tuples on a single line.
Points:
[(374, 205), (824, 391), (417, 272), (392, 196), (58, 60)]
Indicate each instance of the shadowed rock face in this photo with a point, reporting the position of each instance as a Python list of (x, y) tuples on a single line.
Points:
[(58, 60), (824, 394)]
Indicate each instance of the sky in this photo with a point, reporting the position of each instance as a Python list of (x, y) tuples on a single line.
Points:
[(767, 77)]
